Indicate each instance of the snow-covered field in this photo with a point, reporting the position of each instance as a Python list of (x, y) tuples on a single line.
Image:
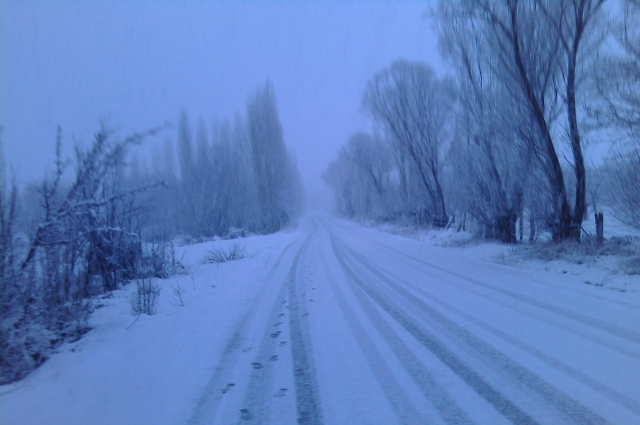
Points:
[(340, 324)]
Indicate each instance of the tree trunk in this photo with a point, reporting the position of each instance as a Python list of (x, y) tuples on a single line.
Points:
[(532, 228), (600, 228), (574, 135), (563, 222), (521, 226), (503, 228), (507, 228)]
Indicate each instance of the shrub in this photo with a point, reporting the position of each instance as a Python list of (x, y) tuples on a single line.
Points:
[(70, 239), (159, 260), (145, 297), (588, 251), (178, 297), (236, 233), (631, 265), (221, 255)]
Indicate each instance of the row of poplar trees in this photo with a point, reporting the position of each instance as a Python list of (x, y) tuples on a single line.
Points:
[(103, 219)]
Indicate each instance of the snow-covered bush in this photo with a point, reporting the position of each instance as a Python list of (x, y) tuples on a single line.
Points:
[(159, 260), (145, 297), (236, 233), (80, 240)]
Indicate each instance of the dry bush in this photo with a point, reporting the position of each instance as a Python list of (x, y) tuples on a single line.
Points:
[(144, 299), (222, 255), (80, 240), (587, 252), (159, 260), (178, 296)]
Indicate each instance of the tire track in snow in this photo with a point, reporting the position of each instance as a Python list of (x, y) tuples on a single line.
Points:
[(206, 408), (601, 388), (586, 380), (305, 377), (259, 389), (612, 329), (445, 406), (573, 328), (565, 406), (513, 273), (542, 318), (393, 391)]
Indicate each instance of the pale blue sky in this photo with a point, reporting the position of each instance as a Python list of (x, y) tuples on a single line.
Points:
[(140, 62)]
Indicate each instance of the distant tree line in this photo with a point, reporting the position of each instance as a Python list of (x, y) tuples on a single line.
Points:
[(501, 141), (236, 177), (82, 232)]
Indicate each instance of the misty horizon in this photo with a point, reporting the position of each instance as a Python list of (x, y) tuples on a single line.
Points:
[(138, 66)]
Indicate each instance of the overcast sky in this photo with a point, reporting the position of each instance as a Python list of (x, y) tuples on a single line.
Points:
[(139, 63)]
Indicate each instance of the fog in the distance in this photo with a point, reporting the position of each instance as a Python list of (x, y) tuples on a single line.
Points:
[(139, 64)]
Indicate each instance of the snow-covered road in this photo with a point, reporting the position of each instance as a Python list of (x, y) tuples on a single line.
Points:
[(350, 325), (367, 328)]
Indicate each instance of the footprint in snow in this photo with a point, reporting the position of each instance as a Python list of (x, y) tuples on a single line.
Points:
[(256, 365), (274, 358), (281, 314), (276, 334), (228, 387), (245, 414), (281, 393), (278, 324), (282, 343)]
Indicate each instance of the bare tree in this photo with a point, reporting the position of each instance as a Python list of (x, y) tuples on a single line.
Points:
[(618, 110), (488, 158), (412, 105), (273, 167), (360, 178), (537, 49)]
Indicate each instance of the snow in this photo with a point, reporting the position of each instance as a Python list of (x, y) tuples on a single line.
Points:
[(152, 369), (581, 269), (337, 323)]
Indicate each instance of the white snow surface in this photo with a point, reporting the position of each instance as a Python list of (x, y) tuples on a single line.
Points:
[(336, 323)]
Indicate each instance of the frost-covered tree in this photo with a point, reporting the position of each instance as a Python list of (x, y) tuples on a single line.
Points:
[(275, 175), (361, 180), (82, 239), (491, 161), (617, 110), (413, 108), (538, 50), (526, 47), (233, 178)]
